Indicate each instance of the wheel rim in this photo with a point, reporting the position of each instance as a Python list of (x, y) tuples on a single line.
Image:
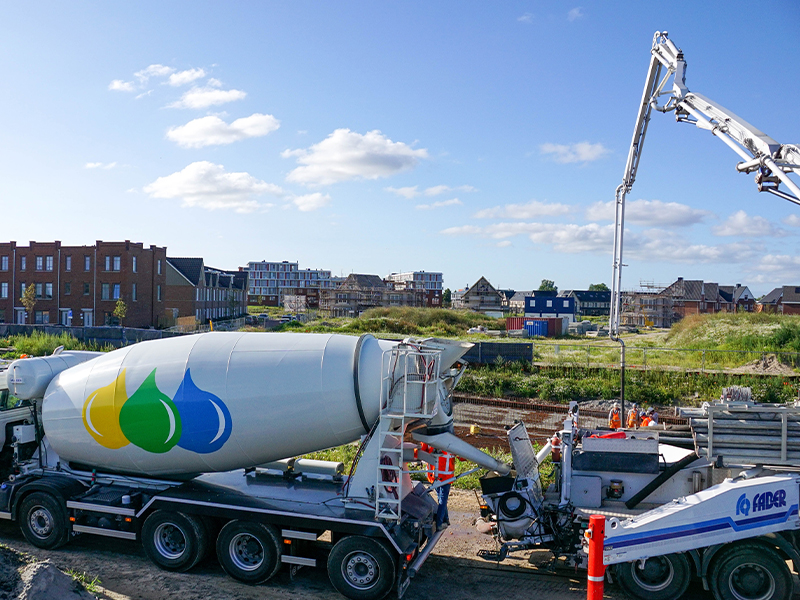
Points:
[(656, 575), (751, 581), (40, 521), (360, 570), (246, 552), (170, 540)]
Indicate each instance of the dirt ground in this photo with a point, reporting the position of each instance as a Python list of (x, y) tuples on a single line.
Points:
[(453, 570)]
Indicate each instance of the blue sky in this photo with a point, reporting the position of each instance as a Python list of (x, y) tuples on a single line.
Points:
[(472, 138)]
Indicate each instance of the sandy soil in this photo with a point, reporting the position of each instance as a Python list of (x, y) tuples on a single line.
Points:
[(453, 570)]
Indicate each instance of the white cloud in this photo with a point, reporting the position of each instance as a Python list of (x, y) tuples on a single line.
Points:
[(210, 131), (740, 224), (567, 238), (777, 269), (206, 185), (657, 245), (405, 192), (153, 71), (214, 82), (99, 165), (571, 153), (310, 202), (184, 77), (504, 244), (203, 97), (143, 94), (650, 213), (791, 220), (121, 86), (575, 13), (440, 204), (436, 190), (526, 18), (532, 210), (346, 155)]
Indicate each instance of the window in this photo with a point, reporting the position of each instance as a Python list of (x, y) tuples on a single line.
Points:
[(158, 290), (3, 320), (117, 260), (108, 263), (39, 290), (48, 291), (87, 263), (4, 290), (48, 263), (134, 266), (42, 317), (85, 289), (21, 289), (159, 266), (68, 264), (23, 263), (67, 288), (566, 303), (105, 291), (39, 263), (134, 295), (3, 263), (549, 304), (116, 291)]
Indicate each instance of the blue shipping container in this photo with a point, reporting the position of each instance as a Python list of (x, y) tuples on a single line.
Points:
[(536, 328)]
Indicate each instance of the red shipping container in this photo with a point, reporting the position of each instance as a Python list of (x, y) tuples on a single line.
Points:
[(514, 323)]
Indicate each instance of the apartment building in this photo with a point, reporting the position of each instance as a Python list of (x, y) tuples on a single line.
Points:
[(271, 282), (197, 290), (80, 285), (428, 286)]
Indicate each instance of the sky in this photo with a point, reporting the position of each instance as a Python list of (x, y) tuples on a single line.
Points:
[(470, 138)]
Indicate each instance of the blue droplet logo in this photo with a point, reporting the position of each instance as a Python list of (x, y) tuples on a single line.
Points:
[(206, 421)]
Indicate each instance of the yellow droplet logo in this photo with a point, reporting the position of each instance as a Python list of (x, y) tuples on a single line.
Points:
[(101, 413)]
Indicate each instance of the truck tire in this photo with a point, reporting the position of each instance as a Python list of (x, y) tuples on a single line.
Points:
[(662, 578), (361, 568), (746, 571), (174, 541), (43, 520), (248, 551)]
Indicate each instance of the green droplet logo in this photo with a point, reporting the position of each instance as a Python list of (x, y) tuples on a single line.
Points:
[(149, 419)]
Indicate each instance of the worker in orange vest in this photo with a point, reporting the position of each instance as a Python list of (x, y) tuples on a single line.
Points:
[(633, 417), (615, 417), (444, 469)]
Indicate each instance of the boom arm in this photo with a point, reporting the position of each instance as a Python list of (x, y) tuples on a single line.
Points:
[(772, 162)]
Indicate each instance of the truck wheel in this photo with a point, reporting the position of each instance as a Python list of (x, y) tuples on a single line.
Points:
[(661, 578), (750, 572), (43, 520), (361, 568), (173, 540), (249, 551)]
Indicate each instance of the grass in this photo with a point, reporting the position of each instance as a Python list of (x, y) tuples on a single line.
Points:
[(41, 344), (91, 584)]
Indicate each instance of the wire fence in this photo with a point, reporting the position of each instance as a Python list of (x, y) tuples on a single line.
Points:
[(604, 356)]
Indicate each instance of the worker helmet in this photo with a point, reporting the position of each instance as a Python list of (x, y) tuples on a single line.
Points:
[(616, 404), (650, 410)]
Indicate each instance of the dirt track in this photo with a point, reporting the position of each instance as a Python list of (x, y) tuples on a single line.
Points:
[(453, 571)]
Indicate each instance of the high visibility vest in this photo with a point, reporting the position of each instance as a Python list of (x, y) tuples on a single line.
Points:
[(646, 421), (632, 418), (445, 466), (614, 419)]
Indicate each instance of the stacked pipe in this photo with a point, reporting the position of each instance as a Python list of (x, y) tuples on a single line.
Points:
[(747, 434)]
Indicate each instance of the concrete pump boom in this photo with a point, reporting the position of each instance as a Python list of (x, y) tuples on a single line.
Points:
[(772, 162)]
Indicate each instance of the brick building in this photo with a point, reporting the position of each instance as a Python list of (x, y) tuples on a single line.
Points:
[(80, 285), (205, 293)]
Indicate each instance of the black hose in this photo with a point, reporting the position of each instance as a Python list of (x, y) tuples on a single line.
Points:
[(656, 483)]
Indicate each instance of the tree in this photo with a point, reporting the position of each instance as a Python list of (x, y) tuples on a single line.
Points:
[(28, 298), (120, 310), (598, 287), (447, 297), (547, 285)]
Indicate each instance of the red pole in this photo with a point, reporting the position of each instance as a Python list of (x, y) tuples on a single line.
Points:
[(595, 534)]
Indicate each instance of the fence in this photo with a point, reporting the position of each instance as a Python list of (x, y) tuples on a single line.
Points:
[(603, 356), (103, 336)]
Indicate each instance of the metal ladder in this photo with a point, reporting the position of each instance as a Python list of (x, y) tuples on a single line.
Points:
[(409, 385)]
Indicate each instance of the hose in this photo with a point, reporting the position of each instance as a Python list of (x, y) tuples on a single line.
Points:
[(656, 483)]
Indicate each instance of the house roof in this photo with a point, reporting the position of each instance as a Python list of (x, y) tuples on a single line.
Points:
[(590, 296), (520, 296), (508, 293), (191, 268), (791, 294), (364, 281), (543, 293), (773, 296)]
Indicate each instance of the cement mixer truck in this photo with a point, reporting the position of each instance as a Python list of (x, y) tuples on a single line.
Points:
[(189, 445)]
